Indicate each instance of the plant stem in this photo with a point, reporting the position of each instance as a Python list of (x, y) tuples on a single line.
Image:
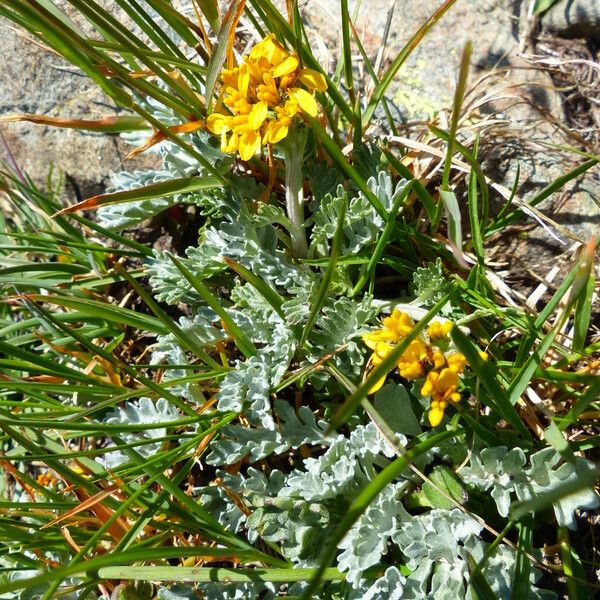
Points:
[(293, 150)]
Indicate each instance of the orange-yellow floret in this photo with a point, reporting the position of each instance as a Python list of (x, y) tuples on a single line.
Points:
[(438, 331), (442, 386), (424, 358), (410, 363), (264, 96), (46, 479), (456, 362)]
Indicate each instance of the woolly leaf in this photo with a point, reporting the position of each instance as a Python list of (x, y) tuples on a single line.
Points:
[(503, 472), (136, 412), (429, 284), (177, 592), (543, 477), (121, 216), (362, 223), (388, 587), (367, 541)]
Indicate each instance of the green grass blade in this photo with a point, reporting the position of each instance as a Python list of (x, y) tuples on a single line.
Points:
[(473, 163), (185, 339), (459, 95), (497, 396), (340, 160), (265, 290), (210, 9), (328, 276), (557, 184), (476, 237), (221, 48), (178, 21), (161, 391), (135, 555), (105, 311), (573, 569), (347, 50), (383, 240), (585, 479), (520, 579), (161, 189), (479, 586), (223, 575), (429, 203)]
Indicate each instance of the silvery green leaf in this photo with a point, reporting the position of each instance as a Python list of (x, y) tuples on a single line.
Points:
[(368, 539), (180, 164), (237, 591), (499, 469), (120, 216), (366, 158), (362, 223), (388, 587), (323, 179), (177, 592), (429, 284), (341, 322), (217, 502), (302, 428), (142, 411), (545, 475), (237, 442)]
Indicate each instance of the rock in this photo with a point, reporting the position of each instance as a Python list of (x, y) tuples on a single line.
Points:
[(574, 19), (425, 83), (35, 80)]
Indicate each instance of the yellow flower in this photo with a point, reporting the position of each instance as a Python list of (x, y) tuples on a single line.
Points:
[(409, 364), (313, 80), (46, 479), (423, 358), (438, 331), (442, 386), (264, 96), (381, 350), (399, 323), (457, 362)]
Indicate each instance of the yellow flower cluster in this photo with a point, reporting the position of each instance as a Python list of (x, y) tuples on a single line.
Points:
[(425, 357), (263, 96), (46, 479)]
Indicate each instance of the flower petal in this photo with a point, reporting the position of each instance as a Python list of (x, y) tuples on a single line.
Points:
[(377, 385), (305, 100), (436, 414), (276, 131), (243, 80), (231, 145), (218, 123), (257, 115), (289, 65), (313, 80), (249, 145)]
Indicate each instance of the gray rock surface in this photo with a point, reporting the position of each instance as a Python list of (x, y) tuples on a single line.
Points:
[(35, 80), (574, 19)]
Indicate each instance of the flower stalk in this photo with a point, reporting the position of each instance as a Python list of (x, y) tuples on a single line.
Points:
[(293, 153)]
